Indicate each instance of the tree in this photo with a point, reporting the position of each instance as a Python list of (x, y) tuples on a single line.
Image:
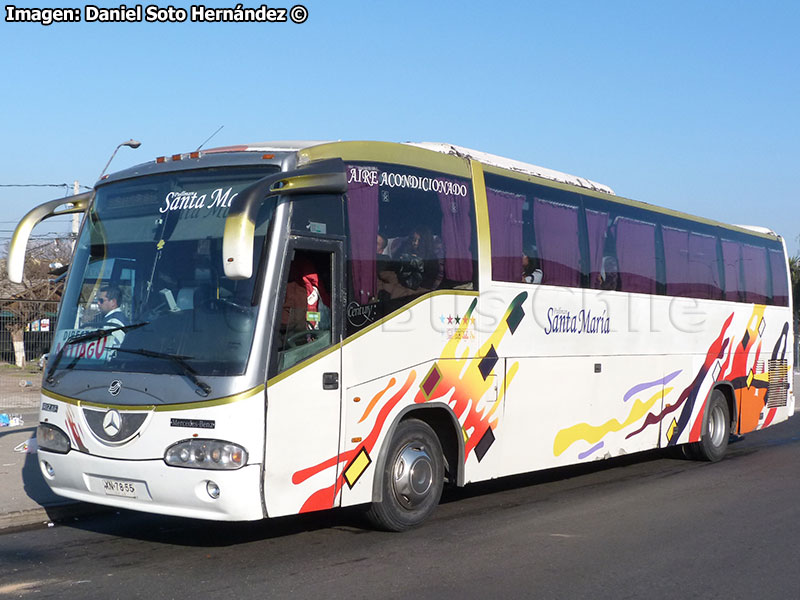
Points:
[(25, 300)]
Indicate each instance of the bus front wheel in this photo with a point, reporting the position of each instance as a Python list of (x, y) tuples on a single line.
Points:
[(413, 478), (716, 429)]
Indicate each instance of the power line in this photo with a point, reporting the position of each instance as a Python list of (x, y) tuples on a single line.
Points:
[(64, 185), (53, 220)]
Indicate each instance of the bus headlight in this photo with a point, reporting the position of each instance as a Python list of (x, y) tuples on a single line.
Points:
[(206, 454), (51, 438)]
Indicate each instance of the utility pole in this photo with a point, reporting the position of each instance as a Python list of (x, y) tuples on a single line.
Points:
[(76, 217)]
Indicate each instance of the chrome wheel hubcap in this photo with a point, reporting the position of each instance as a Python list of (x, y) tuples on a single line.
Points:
[(412, 475), (716, 426)]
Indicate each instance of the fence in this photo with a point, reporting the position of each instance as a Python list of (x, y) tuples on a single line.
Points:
[(35, 318), (19, 388)]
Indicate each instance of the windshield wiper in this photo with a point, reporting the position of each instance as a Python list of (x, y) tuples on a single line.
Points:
[(89, 336), (203, 388)]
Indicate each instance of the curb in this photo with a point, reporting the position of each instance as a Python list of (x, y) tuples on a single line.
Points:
[(46, 516)]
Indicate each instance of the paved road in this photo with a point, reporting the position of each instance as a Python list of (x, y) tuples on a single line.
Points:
[(22, 487), (646, 526)]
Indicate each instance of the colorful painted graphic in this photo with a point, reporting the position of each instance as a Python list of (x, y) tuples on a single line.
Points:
[(738, 362), (466, 381), (75, 429), (463, 382), (653, 391)]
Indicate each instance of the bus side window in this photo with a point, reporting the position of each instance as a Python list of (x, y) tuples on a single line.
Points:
[(410, 232), (636, 255)]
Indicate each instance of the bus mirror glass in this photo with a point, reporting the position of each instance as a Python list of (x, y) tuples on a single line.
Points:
[(19, 241), (240, 228), (237, 246)]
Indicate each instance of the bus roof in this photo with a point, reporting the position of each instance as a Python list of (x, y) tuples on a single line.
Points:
[(276, 146), (276, 151), (442, 148), (513, 165)]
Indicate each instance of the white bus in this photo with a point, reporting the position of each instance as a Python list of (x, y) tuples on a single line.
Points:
[(266, 330)]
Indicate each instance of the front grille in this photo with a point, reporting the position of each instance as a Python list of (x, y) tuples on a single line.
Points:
[(123, 430)]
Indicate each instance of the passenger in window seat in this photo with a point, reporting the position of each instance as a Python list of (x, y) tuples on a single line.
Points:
[(609, 274), (531, 273), (417, 268)]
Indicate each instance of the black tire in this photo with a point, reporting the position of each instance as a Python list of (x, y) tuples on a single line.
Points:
[(689, 451), (716, 429), (413, 478)]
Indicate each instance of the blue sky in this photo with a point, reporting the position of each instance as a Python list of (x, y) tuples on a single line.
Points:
[(692, 105)]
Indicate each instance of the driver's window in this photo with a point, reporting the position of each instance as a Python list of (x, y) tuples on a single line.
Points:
[(304, 327)]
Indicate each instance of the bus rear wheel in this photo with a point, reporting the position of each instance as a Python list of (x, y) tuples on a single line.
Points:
[(716, 429), (413, 478)]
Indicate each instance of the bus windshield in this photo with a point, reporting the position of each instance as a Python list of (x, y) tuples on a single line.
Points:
[(147, 270)]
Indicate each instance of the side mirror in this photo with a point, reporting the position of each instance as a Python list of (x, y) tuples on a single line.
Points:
[(324, 177), (19, 241)]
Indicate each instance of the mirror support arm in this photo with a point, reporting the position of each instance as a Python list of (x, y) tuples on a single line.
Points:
[(327, 176), (19, 241)]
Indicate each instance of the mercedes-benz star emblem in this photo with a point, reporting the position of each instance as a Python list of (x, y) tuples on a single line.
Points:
[(112, 423), (115, 387)]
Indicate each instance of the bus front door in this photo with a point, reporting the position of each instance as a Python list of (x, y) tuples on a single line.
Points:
[(304, 395)]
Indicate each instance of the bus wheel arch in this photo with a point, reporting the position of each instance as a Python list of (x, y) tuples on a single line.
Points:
[(730, 397), (716, 429), (423, 437)]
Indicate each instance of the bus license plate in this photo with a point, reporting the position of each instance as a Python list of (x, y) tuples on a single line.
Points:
[(114, 487)]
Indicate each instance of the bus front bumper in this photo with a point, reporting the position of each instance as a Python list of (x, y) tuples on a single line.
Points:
[(153, 486)]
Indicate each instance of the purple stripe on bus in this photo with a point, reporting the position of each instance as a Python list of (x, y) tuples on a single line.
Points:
[(643, 386), (591, 450)]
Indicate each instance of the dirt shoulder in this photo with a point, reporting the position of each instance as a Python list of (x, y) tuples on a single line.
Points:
[(19, 388)]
